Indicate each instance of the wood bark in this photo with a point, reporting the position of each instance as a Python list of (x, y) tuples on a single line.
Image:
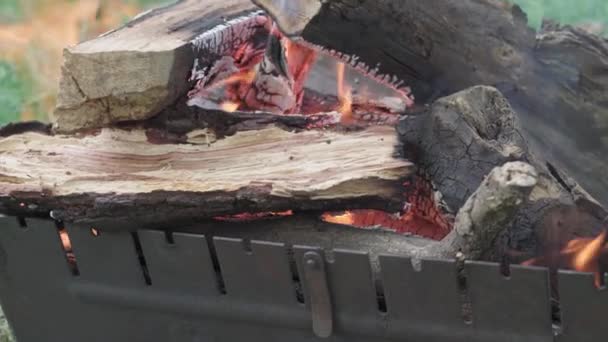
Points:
[(438, 47), (120, 175)]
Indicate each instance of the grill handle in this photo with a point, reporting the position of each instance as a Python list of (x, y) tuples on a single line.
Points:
[(318, 291)]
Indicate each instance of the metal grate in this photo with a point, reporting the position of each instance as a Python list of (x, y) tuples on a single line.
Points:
[(151, 286)]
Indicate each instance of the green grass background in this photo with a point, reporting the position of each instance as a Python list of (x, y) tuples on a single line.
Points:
[(16, 87), (565, 11)]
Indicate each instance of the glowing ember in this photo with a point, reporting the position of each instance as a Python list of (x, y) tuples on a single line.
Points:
[(300, 61), (65, 240), (421, 216), (587, 253), (376, 219), (346, 218), (66, 245), (582, 254), (271, 77)]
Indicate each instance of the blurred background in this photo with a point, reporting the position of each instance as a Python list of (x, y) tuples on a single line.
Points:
[(33, 34)]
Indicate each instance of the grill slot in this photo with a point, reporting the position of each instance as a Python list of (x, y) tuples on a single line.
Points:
[(141, 258), (66, 245)]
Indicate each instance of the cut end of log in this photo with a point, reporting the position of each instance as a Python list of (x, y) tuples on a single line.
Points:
[(517, 175)]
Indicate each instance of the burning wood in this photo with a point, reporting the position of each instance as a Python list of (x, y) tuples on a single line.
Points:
[(581, 254), (481, 220), (427, 55), (248, 70), (422, 215), (376, 219), (272, 77)]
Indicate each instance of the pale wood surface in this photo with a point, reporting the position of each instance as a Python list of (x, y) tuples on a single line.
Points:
[(135, 71), (268, 169)]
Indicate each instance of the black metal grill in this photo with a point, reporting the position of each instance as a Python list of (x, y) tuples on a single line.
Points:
[(146, 286)]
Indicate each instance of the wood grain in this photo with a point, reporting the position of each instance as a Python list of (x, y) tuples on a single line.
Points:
[(119, 173)]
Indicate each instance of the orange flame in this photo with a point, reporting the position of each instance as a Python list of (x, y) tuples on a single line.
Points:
[(300, 60), (587, 253), (344, 95), (347, 218), (229, 106), (241, 77), (582, 254), (421, 216), (372, 219)]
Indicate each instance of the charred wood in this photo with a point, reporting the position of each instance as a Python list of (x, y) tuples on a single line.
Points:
[(485, 215), (462, 137), (553, 78), (15, 128)]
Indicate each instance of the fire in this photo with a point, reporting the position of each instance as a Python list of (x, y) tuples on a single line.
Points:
[(279, 77), (245, 77), (377, 219), (581, 254), (370, 219), (587, 253), (421, 216), (344, 95), (346, 218), (300, 61), (229, 106)]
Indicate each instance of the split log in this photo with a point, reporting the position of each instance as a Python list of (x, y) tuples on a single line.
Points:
[(121, 176), (439, 47), (178, 120), (134, 72)]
